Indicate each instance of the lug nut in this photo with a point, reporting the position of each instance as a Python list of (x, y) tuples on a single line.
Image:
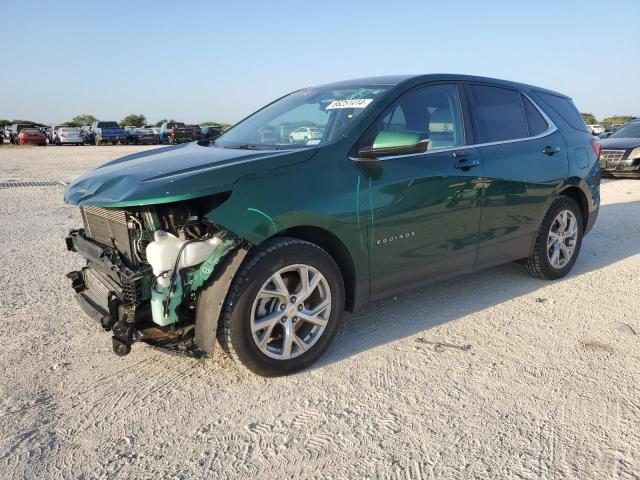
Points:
[(283, 320), (294, 319), (293, 299), (283, 306), (300, 307)]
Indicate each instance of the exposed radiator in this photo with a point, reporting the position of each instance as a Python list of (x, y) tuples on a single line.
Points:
[(108, 226)]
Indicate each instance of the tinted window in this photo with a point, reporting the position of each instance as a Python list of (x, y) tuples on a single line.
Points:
[(431, 113), (536, 122), (566, 109), (630, 130), (497, 114), (107, 125)]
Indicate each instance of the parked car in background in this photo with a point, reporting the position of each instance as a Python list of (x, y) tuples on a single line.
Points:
[(304, 134), (175, 132), (211, 132), (620, 155), (51, 134), (141, 136), (154, 129), (196, 132), (85, 131), (415, 179), (33, 136), (103, 132), (16, 128), (68, 136), (596, 129)]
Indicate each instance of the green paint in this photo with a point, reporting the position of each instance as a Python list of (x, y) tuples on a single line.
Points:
[(268, 217), (202, 273), (386, 139), (189, 280)]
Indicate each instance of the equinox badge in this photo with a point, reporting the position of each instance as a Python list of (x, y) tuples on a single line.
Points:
[(392, 238)]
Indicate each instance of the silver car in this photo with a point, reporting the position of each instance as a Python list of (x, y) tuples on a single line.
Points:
[(65, 135)]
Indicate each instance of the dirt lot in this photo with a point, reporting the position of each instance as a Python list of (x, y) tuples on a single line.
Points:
[(493, 375)]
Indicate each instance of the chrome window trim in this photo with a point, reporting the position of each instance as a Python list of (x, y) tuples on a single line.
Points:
[(551, 129)]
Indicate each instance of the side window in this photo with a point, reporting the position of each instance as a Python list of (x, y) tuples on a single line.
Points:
[(565, 108), (536, 122), (431, 112), (497, 113)]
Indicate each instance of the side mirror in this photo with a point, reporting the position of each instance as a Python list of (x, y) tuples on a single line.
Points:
[(393, 143)]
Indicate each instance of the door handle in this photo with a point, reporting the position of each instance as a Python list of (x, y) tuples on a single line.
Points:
[(465, 164), (549, 150)]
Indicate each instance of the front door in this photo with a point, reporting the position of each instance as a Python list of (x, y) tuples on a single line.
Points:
[(425, 207)]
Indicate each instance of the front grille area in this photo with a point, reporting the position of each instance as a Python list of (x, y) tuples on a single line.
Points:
[(611, 156), (108, 226)]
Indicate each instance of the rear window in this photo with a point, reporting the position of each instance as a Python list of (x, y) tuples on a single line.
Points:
[(107, 125), (536, 122), (498, 114), (566, 109)]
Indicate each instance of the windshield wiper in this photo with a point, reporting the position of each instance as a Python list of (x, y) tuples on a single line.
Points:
[(246, 146)]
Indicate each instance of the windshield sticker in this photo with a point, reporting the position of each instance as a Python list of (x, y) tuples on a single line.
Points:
[(313, 142), (356, 103)]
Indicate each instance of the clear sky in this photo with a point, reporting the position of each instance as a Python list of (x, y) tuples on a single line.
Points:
[(221, 60)]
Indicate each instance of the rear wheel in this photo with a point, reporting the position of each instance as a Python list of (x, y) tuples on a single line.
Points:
[(283, 307), (558, 241)]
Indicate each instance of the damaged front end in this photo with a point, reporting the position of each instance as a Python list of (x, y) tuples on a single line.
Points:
[(146, 267)]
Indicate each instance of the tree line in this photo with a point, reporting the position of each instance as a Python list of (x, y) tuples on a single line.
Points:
[(134, 120), (590, 119)]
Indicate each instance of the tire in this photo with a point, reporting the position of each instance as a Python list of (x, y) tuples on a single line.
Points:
[(242, 302), (539, 264)]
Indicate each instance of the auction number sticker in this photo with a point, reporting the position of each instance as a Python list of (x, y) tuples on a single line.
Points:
[(355, 103)]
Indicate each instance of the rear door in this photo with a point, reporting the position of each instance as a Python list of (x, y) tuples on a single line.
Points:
[(524, 161), (424, 207)]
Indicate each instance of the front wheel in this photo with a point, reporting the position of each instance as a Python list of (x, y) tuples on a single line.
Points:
[(558, 240), (283, 307)]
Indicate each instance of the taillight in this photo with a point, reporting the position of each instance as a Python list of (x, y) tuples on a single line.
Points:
[(62, 135), (140, 135), (596, 148)]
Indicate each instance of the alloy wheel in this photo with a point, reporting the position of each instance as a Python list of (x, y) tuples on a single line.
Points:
[(290, 312), (562, 239)]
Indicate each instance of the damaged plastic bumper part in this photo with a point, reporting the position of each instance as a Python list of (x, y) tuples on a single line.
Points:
[(144, 272)]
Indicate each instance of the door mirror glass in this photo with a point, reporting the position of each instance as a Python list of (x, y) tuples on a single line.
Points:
[(387, 143)]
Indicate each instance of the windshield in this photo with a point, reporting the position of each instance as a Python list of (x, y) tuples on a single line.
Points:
[(306, 118), (30, 131), (630, 130), (108, 125), (70, 130)]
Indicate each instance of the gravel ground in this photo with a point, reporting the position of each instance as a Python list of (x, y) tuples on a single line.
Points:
[(492, 375)]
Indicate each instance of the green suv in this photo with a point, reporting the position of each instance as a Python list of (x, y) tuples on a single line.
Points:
[(261, 240)]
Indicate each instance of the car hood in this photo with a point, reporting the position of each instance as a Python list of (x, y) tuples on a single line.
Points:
[(619, 143), (176, 173)]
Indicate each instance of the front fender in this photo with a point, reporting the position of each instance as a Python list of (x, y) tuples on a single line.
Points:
[(301, 195)]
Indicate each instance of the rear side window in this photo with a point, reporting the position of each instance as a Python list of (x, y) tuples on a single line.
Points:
[(536, 122), (566, 109), (498, 114)]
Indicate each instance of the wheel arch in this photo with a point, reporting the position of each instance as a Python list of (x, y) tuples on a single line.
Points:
[(578, 195), (338, 251)]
